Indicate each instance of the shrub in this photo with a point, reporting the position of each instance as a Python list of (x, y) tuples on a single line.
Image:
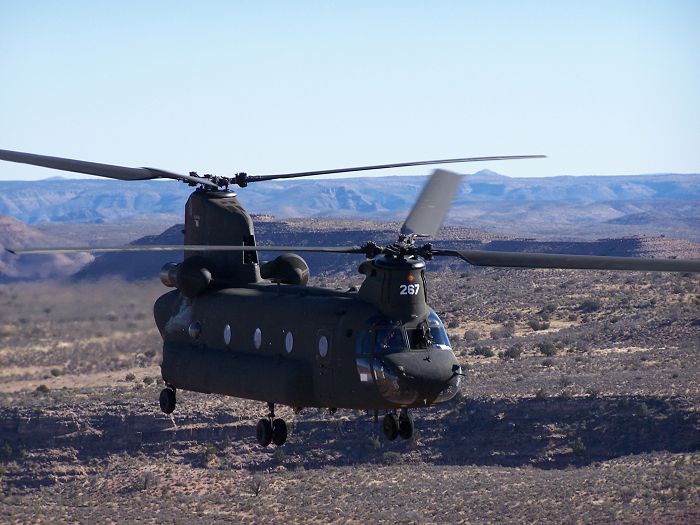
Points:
[(483, 351), (538, 325), (55, 372), (547, 348), (42, 389), (514, 352), (391, 458), (590, 305), (578, 447), (130, 377), (471, 335)]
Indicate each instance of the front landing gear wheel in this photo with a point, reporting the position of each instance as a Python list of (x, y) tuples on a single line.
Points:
[(391, 426), (167, 400), (264, 432), (405, 426), (279, 432)]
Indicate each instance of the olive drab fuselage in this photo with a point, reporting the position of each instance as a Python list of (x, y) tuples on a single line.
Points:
[(234, 333)]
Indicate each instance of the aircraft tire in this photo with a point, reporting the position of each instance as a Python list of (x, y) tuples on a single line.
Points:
[(264, 432), (167, 400), (279, 432), (390, 426), (406, 426)]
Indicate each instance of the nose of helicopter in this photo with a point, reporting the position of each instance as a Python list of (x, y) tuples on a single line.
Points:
[(433, 374)]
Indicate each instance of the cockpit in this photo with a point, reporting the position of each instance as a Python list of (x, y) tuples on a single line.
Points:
[(385, 336)]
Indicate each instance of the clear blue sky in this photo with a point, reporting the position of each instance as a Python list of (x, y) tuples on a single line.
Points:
[(608, 87)]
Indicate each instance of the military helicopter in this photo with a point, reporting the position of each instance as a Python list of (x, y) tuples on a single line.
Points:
[(238, 327)]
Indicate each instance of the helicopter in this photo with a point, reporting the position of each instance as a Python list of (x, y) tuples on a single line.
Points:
[(236, 326)]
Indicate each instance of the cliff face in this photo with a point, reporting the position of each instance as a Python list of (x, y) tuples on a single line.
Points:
[(14, 234)]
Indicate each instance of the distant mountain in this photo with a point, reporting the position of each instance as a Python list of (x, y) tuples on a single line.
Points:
[(14, 234), (572, 206), (324, 232)]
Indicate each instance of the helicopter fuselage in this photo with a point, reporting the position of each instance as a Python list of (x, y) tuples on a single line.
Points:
[(304, 347)]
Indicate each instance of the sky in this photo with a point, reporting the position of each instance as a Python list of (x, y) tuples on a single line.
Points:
[(272, 87)]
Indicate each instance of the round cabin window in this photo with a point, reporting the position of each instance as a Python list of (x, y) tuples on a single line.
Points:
[(257, 338), (227, 335), (289, 342), (323, 346), (195, 330)]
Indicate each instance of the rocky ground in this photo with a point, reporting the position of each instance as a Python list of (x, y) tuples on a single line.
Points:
[(580, 406)]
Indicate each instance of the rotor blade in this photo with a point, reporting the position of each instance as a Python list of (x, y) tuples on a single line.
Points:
[(95, 168), (188, 247), (257, 178), (432, 205), (577, 262)]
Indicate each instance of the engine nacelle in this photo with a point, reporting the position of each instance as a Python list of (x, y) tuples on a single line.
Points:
[(191, 276), (288, 268)]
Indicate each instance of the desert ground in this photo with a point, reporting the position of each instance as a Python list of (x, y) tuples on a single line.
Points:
[(580, 405)]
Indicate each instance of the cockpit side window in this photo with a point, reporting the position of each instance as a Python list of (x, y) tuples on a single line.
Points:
[(389, 340)]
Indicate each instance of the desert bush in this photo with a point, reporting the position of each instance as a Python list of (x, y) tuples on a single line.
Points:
[(547, 348), (590, 305), (538, 325), (504, 331), (279, 456), (471, 335), (483, 351), (578, 447), (391, 458), (513, 352), (42, 389), (55, 372)]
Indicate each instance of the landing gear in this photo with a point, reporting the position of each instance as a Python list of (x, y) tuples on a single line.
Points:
[(391, 426), (395, 426), (271, 430), (405, 425), (167, 400)]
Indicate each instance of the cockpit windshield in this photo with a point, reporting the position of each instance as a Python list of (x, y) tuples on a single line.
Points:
[(437, 331), (387, 337)]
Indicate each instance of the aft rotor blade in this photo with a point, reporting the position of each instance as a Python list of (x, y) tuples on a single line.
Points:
[(575, 262), (187, 247), (432, 205), (94, 168), (257, 178)]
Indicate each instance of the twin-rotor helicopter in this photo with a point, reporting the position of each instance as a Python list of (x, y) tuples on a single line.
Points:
[(236, 326)]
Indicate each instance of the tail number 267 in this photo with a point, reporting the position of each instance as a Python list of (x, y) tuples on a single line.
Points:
[(409, 289)]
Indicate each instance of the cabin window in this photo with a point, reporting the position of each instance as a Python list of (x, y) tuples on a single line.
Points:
[(227, 335), (289, 342), (323, 346), (195, 330), (257, 338)]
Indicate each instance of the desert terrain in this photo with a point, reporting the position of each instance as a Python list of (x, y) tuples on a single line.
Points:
[(580, 405)]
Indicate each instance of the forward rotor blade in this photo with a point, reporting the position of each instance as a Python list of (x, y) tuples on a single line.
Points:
[(432, 205), (94, 168), (187, 247), (576, 262), (257, 178)]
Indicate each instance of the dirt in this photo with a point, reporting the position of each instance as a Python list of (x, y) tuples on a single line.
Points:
[(606, 429)]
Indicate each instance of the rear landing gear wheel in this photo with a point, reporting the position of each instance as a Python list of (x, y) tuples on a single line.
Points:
[(405, 425), (264, 432), (391, 426), (167, 400), (279, 432)]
